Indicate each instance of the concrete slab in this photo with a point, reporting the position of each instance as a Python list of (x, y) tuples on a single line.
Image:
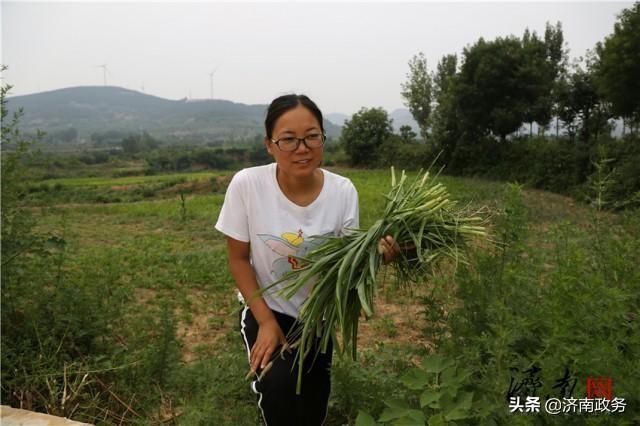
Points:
[(10, 416)]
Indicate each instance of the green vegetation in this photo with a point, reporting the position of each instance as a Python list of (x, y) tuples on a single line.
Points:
[(615, 72), (126, 312), (117, 306), (79, 116), (363, 135), (417, 92), (560, 301), (471, 113)]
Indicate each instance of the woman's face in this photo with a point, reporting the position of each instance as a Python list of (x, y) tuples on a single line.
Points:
[(302, 162)]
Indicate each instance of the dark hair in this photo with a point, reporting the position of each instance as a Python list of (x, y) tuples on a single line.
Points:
[(283, 104)]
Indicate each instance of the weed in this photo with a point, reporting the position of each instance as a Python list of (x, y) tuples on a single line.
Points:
[(386, 326), (183, 207)]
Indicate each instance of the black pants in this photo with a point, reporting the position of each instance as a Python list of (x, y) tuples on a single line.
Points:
[(276, 392)]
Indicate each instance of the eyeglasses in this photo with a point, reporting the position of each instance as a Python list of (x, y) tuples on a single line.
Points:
[(291, 143)]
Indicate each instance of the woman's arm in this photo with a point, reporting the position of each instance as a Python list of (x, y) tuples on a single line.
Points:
[(269, 333)]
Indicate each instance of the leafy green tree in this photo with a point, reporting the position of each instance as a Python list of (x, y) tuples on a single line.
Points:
[(555, 52), (364, 133), (445, 71), (538, 108), (445, 125), (543, 61), (18, 237), (506, 82), (581, 108), (557, 56), (618, 68), (417, 92), (22, 246), (565, 109), (493, 94), (134, 144), (407, 134)]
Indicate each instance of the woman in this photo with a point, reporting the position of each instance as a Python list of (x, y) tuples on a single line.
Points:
[(270, 215)]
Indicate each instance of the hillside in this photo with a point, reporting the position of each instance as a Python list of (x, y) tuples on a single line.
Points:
[(92, 109)]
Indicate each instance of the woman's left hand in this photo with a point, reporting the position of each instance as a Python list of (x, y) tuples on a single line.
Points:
[(390, 249)]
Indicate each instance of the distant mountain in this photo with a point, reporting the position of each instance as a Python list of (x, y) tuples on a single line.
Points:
[(90, 109), (400, 116), (337, 118)]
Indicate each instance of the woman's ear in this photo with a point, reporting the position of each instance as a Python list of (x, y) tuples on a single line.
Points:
[(268, 144)]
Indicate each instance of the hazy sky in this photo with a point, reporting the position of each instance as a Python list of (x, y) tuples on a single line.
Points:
[(344, 55)]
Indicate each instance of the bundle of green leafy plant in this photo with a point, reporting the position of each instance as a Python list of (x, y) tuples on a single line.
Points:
[(425, 222)]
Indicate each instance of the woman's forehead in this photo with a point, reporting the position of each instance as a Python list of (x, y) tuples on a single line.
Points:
[(296, 119), (287, 130)]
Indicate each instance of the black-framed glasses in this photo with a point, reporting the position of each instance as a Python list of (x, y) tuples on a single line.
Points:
[(291, 143)]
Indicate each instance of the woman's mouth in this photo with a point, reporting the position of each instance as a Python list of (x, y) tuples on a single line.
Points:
[(303, 162)]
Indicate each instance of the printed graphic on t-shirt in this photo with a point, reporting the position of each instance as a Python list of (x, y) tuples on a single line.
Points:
[(289, 246)]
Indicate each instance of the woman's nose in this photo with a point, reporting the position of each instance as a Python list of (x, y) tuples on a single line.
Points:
[(302, 146)]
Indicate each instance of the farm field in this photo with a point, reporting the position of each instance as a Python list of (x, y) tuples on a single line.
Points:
[(141, 292)]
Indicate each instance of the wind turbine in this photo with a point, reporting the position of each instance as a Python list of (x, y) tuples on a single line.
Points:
[(211, 79), (105, 70)]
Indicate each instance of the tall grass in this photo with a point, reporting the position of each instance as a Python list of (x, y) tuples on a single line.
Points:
[(113, 288), (560, 297)]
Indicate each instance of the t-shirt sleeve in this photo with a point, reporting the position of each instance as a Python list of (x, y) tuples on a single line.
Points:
[(233, 220), (352, 210)]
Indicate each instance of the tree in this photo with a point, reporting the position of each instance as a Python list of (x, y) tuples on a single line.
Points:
[(20, 242), (363, 135), (557, 57), (506, 82), (585, 100), (407, 134), (538, 91), (417, 92), (134, 144), (618, 65), (581, 109), (543, 61), (446, 70), (17, 219), (554, 44), (491, 91), (445, 123), (565, 109)]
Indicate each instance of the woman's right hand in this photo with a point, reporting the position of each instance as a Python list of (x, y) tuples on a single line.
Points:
[(270, 336)]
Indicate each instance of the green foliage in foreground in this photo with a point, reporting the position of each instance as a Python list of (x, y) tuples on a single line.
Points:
[(570, 307), (94, 328)]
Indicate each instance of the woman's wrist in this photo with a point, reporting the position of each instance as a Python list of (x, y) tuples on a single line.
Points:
[(261, 312)]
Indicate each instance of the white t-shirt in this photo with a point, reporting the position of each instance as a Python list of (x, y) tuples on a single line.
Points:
[(256, 211)]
